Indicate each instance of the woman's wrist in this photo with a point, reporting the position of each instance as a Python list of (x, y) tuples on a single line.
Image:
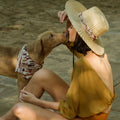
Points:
[(46, 104), (35, 101)]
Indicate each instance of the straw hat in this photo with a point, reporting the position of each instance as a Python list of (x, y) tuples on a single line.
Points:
[(89, 23)]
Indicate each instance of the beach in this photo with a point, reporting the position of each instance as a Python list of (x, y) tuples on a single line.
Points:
[(23, 20)]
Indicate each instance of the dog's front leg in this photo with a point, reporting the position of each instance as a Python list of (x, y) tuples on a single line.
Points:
[(21, 82)]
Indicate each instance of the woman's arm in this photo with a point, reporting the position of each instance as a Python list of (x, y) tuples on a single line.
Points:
[(30, 98), (47, 104)]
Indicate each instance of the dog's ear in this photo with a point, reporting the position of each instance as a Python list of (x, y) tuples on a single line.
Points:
[(36, 50), (42, 48), (48, 39), (39, 48)]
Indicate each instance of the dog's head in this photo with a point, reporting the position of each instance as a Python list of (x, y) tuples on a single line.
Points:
[(51, 39), (45, 43)]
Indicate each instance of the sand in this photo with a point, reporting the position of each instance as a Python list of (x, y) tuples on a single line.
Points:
[(23, 20)]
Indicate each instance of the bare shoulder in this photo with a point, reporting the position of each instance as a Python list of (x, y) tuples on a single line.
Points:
[(106, 57), (102, 67)]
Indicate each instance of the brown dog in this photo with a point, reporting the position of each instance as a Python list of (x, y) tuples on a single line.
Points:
[(38, 50)]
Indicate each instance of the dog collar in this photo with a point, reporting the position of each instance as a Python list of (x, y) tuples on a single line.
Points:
[(26, 65)]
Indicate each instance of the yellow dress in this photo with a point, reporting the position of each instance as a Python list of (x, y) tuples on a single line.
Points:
[(87, 94)]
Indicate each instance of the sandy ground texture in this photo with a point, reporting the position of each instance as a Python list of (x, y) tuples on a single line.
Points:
[(21, 21)]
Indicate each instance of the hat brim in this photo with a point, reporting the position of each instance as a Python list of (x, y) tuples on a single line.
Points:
[(73, 8)]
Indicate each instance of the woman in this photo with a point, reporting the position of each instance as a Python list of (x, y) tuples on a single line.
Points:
[(91, 93)]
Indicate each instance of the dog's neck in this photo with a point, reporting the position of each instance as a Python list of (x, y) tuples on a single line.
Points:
[(38, 51), (35, 52)]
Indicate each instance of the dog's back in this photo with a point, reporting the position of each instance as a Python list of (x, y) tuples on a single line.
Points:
[(8, 60)]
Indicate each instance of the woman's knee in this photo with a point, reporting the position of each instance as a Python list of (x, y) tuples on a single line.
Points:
[(18, 109), (23, 112), (42, 75)]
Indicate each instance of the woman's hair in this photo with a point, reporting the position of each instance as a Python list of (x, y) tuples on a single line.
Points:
[(80, 46)]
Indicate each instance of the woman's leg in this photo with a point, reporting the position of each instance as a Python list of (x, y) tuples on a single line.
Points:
[(26, 111), (44, 80)]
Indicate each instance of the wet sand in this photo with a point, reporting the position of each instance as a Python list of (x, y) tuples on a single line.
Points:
[(23, 20)]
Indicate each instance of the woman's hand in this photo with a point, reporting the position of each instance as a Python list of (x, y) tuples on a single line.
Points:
[(62, 15), (30, 98), (27, 97)]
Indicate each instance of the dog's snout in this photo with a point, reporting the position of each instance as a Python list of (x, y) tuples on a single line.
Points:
[(62, 36)]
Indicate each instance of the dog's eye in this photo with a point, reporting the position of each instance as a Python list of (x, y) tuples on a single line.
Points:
[(51, 35)]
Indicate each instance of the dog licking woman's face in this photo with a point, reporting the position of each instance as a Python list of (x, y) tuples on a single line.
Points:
[(45, 43), (50, 40)]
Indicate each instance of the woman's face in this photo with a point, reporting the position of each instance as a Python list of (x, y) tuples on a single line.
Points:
[(72, 33)]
